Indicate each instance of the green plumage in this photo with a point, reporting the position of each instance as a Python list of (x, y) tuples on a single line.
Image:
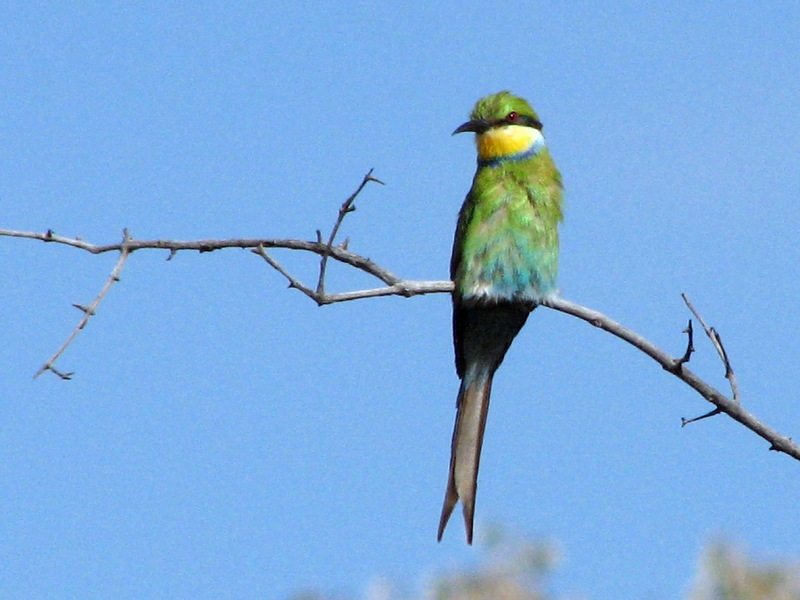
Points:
[(505, 261), (506, 244), (497, 106)]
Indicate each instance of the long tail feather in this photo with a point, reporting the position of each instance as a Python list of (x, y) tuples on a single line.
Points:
[(465, 452)]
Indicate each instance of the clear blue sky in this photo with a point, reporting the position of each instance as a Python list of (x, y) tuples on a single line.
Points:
[(225, 438)]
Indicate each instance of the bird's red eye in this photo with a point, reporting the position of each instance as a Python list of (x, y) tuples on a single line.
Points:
[(512, 117)]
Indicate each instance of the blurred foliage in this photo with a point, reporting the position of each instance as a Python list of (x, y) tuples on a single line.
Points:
[(727, 573), (513, 568)]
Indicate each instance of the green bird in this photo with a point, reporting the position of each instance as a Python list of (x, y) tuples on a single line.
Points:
[(504, 263)]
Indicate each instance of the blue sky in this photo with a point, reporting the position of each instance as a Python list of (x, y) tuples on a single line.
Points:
[(225, 438)]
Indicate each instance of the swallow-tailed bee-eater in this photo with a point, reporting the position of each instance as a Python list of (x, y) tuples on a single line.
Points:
[(504, 263)]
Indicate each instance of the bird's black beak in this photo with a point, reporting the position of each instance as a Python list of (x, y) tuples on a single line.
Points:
[(476, 126)]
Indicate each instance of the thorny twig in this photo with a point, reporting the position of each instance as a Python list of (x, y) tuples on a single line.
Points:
[(724, 404), (347, 207), (397, 286), (394, 285), (716, 340), (88, 311)]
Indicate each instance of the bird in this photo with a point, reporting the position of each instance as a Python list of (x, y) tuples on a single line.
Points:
[(504, 264)]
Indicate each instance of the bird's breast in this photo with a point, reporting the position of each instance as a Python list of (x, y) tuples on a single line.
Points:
[(508, 253)]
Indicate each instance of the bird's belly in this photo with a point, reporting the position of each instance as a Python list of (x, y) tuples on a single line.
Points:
[(507, 268)]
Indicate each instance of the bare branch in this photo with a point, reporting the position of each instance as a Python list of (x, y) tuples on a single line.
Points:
[(347, 206), (689, 331), (711, 413), (402, 287), (293, 283), (399, 288), (395, 286), (723, 354), (88, 311), (175, 246), (730, 407)]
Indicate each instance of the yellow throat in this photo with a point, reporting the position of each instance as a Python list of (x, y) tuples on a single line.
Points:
[(506, 140)]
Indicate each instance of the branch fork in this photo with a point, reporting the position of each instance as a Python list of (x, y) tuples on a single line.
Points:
[(88, 311)]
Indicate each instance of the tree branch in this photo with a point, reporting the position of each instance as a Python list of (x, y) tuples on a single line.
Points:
[(88, 311), (395, 286), (346, 208), (677, 367), (398, 287), (715, 338)]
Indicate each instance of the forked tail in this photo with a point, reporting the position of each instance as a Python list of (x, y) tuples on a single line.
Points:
[(465, 452)]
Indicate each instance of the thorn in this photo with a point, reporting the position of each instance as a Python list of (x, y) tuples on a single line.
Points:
[(85, 309), (172, 253), (774, 448), (685, 422), (64, 376), (678, 364), (369, 177), (319, 236), (48, 235), (345, 243)]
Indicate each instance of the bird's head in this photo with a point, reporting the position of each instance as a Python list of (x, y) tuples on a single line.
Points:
[(505, 126)]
